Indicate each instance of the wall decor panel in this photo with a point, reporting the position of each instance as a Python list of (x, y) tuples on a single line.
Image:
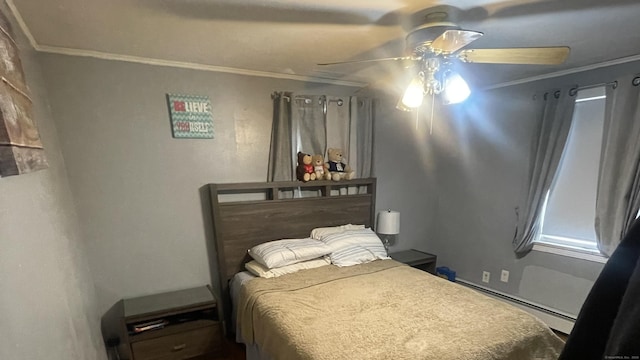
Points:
[(20, 146)]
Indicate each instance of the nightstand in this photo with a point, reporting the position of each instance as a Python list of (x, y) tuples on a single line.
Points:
[(173, 325), (417, 259)]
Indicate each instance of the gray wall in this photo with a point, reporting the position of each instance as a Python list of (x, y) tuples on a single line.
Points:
[(482, 170), (456, 189), (47, 299), (405, 169), (136, 188)]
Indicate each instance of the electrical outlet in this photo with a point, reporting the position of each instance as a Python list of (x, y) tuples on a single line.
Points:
[(486, 276), (504, 276)]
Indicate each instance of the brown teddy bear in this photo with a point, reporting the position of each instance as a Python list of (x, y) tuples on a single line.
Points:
[(338, 169), (320, 168), (304, 171)]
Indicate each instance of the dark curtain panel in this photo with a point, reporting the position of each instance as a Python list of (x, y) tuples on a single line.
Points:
[(281, 151)]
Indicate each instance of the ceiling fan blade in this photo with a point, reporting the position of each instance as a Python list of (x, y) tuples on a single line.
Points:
[(453, 40), (537, 56), (367, 61)]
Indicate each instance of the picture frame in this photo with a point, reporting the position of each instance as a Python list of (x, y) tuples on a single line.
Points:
[(191, 116)]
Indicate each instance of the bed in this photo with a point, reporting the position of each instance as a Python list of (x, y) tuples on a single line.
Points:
[(378, 310)]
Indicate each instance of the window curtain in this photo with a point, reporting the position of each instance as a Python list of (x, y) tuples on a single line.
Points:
[(618, 196), (546, 151), (361, 136), (350, 128), (281, 151), (312, 124)]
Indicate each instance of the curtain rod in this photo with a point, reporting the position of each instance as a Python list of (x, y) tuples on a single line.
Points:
[(289, 97), (574, 91), (308, 100), (613, 84)]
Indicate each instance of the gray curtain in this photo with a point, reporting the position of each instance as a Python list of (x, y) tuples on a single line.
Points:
[(338, 125), (281, 129), (362, 135), (361, 143), (308, 130), (618, 198), (547, 147), (312, 124), (350, 127)]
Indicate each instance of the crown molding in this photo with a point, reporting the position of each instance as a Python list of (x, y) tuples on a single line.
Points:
[(22, 24), (169, 63), (192, 66)]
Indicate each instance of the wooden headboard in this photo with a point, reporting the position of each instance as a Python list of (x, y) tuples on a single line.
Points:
[(241, 224)]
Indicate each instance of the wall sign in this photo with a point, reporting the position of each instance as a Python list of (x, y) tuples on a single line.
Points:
[(190, 116)]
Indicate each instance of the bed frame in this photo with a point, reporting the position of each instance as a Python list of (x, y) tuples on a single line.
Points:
[(241, 224)]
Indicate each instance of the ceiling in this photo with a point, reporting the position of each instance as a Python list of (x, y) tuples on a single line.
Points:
[(287, 38)]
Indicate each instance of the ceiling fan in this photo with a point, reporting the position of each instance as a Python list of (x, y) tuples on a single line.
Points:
[(437, 44)]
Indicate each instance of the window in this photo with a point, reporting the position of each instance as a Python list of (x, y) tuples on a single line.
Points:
[(570, 206)]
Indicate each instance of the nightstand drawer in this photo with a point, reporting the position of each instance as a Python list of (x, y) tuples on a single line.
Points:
[(179, 346)]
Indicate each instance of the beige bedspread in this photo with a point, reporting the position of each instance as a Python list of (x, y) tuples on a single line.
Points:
[(385, 310)]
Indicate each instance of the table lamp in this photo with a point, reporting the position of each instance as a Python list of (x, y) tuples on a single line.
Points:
[(388, 227)]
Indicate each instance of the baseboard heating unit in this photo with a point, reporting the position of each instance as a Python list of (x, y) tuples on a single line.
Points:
[(555, 319)]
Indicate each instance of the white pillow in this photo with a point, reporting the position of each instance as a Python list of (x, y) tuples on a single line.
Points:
[(319, 233), (279, 253), (352, 247), (260, 270), (356, 254)]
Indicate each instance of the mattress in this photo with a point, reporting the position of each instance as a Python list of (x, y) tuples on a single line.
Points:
[(384, 310), (235, 285)]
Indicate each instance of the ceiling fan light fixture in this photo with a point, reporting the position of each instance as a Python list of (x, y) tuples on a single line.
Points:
[(456, 89), (402, 107), (414, 94)]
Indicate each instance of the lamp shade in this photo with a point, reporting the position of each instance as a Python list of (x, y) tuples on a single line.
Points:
[(456, 89), (388, 222), (414, 94)]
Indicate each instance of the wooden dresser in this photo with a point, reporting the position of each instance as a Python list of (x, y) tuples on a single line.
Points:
[(170, 326)]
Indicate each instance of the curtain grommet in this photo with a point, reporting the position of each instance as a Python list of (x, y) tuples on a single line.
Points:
[(636, 81), (573, 91)]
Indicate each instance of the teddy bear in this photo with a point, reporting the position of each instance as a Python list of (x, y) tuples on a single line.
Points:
[(304, 170), (338, 169), (320, 168)]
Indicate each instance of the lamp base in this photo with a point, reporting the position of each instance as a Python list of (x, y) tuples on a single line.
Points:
[(387, 240)]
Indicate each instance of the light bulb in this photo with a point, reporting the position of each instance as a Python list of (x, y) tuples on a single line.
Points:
[(412, 97), (456, 89), (401, 106)]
